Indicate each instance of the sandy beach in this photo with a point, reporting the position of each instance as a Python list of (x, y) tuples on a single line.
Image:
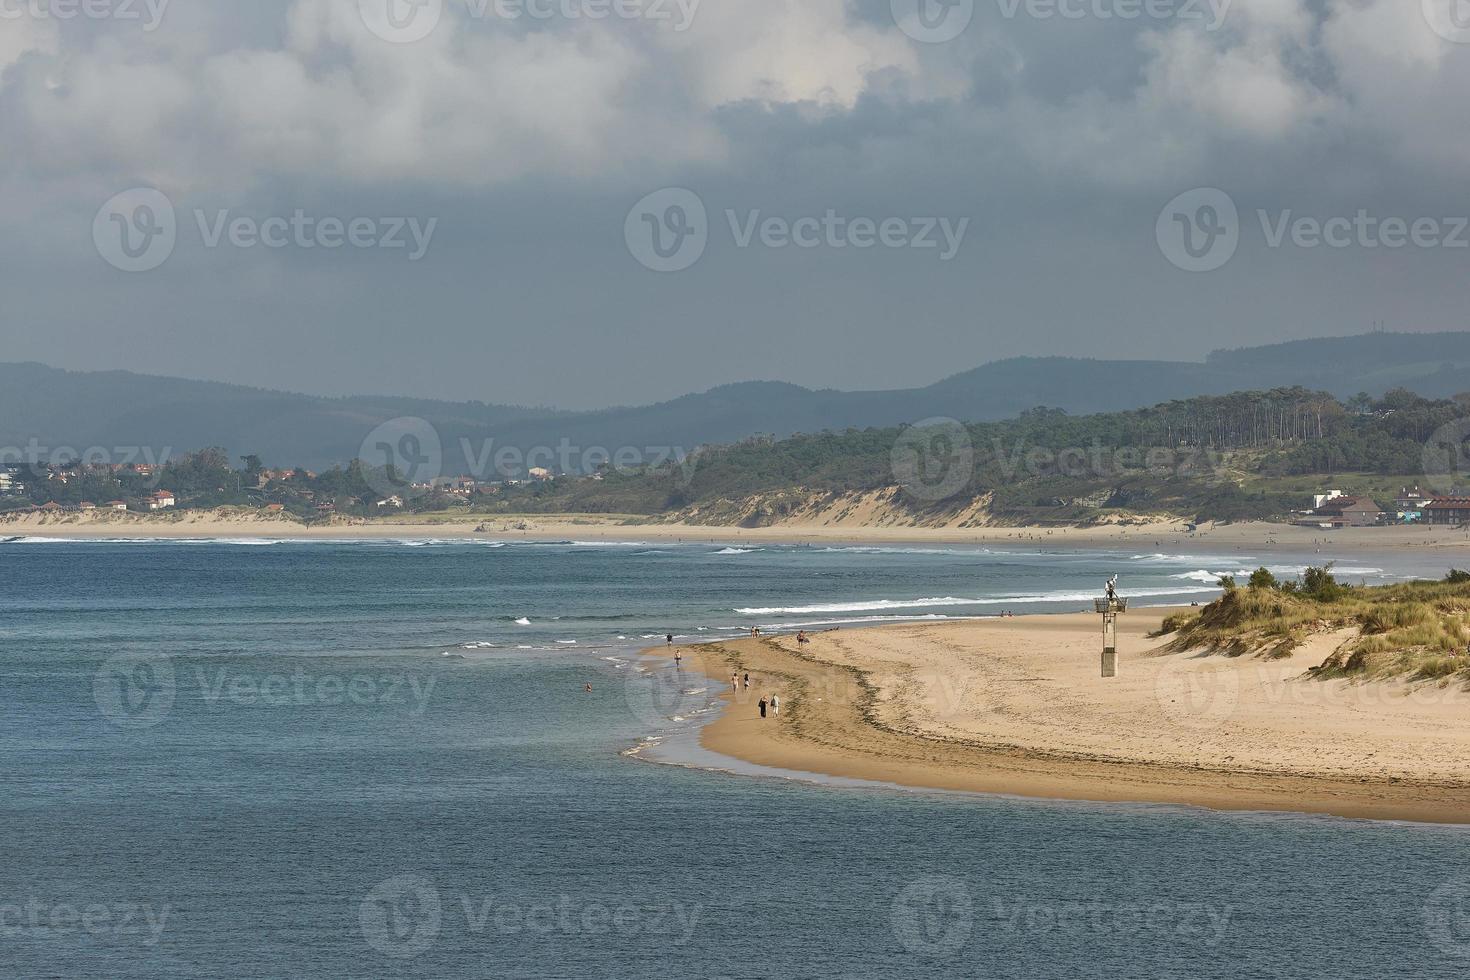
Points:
[(1161, 534), (1017, 706)]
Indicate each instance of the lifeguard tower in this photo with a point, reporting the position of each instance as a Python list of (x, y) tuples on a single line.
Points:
[(1110, 605)]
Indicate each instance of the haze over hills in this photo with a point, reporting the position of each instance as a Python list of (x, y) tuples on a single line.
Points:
[(50, 408)]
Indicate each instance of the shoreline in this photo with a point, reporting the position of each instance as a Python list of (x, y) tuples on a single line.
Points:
[(1001, 707), (1169, 535)]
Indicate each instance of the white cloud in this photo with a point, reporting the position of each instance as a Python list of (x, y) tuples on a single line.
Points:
[(1248, 78), (784, 51), (475, 103), (25, 35), (478, 103)]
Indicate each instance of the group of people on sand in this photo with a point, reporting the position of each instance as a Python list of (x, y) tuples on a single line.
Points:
[(771, 704)]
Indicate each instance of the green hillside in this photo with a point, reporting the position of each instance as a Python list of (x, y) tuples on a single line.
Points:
[(1249, 455)]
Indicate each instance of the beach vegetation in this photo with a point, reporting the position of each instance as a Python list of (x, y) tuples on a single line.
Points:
[(1416, 629), (1262, 578)]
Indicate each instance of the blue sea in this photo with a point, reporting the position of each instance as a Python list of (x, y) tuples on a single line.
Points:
[(258, 758)]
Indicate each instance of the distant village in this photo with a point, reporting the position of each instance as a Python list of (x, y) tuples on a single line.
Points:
[(1334, 509), (206, 480)]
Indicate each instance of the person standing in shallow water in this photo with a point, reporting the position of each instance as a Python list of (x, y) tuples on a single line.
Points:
[(763, 707)]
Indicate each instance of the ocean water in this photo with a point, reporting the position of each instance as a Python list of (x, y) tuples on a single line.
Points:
[(267, 759)]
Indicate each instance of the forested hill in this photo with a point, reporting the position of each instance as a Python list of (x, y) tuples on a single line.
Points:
[(1218, 457), (1248, 455)]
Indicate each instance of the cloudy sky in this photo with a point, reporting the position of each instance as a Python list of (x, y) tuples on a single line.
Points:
[(587, 202)]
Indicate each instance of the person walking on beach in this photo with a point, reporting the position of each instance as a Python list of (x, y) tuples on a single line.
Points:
[(747, 680), (775, 706), (669, 639), (763, 707), (735, 683)]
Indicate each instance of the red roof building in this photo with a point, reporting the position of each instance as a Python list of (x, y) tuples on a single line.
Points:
[(1448, 510)]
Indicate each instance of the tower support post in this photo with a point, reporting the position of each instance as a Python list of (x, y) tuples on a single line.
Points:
[(1110, 607)]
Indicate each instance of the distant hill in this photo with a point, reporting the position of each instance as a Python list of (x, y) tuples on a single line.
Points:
[(1249, 455), (118, 408)]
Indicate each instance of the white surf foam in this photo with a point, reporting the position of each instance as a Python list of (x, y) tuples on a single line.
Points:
[(1208, 577), (1191, 559), (876, 550), (881, 604), (609, 544), (850, 620)]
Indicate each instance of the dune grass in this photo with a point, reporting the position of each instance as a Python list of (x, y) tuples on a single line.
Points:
[(1419, 630)]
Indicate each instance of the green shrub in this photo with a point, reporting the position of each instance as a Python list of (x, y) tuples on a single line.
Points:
[(1262, 578), (1318, 584)]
